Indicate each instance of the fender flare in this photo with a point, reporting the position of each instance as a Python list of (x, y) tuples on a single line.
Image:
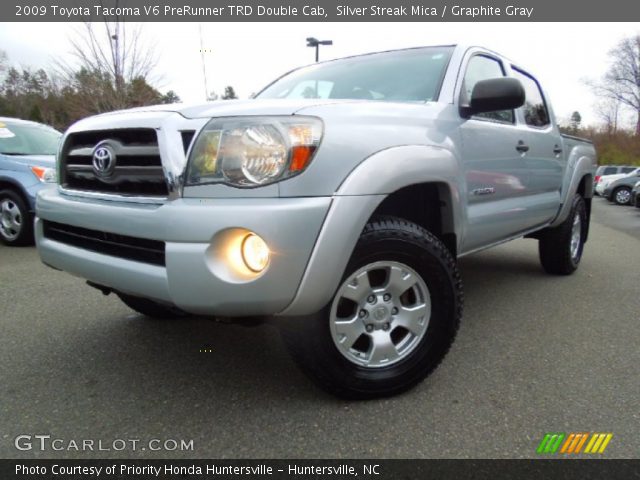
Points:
[(356, 199), (582, 165)]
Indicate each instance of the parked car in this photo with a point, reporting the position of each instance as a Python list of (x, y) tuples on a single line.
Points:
[(27, 164), (607, 180), (603, 170), (606, 170), (336, 201), (635, 195), (619, 191)]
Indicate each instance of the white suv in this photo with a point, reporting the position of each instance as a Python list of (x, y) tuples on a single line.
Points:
[(605, 180)]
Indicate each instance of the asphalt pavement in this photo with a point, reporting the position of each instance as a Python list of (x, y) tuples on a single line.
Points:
[(625, 219), (535, 354)]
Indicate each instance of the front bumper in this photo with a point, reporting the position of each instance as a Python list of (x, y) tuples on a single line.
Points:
[(191, 278)]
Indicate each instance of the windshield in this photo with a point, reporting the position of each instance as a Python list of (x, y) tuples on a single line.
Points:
[(402, 76), (27, 139)]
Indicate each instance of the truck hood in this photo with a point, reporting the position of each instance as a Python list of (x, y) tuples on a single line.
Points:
[(227, 108), (33, 160)]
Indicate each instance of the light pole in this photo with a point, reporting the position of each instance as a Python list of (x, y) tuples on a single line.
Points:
[(204, 68), (314, 42)]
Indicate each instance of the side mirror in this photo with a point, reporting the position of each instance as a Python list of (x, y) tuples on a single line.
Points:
[(493, 95)]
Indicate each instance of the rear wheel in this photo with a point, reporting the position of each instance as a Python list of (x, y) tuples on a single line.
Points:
[(560, 248), (622, 195), (392, 319), (16, 223), (151, 308)]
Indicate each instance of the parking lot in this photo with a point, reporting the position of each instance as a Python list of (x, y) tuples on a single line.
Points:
[(535, 354)]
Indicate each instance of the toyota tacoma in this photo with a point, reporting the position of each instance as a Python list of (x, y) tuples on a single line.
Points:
[(335, 202)]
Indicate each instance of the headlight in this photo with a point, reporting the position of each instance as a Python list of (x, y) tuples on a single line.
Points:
[(253, 151), (44, 174)]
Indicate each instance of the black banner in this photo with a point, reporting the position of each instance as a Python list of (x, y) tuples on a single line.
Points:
[(333, 469), (319, 11)]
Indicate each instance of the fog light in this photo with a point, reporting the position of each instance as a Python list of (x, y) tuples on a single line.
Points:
[(255, 253)]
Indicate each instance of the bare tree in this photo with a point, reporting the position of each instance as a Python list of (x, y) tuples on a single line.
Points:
[(110, 58), (622, 81), (608, 110)]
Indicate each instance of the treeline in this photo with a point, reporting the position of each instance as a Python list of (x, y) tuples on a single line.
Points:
[(60, 100), (614, 147), (619, 148), (109, 69)]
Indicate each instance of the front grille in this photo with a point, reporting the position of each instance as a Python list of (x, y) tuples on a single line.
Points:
[(134, 167), (131, 248)]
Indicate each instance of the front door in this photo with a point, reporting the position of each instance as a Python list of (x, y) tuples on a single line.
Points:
[(494, 164)]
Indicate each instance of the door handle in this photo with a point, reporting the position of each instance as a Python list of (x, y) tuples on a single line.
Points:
[(522, 147), (557, 149)]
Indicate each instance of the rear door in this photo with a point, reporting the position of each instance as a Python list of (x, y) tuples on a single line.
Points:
[(545, 158)]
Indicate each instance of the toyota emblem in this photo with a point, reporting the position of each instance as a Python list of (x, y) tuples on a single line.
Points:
[(104, 160)]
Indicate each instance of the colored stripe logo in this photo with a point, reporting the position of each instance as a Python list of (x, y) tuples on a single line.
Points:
[(573, 443)]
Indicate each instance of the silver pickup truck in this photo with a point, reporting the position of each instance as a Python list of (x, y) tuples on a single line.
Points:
[(334, 203)]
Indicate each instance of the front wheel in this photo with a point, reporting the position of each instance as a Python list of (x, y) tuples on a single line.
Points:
[(561, 247), (622, 196), (16, 223), (392, 319)]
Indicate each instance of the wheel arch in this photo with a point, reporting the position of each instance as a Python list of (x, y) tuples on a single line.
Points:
[(385, 183), (435, 214), (585, 190), (580, 181), (8, 183)]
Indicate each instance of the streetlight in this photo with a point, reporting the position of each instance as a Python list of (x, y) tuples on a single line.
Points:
[(204, 68), (314, 42)]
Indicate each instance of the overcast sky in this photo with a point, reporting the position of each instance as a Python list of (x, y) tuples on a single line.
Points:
[(249, 55)]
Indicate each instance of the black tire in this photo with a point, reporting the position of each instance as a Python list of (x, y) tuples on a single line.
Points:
[(620, 193), (151, 308), (554, 246), (389, 239), (9, 234)]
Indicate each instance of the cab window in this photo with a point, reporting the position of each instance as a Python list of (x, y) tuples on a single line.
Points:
[(481, 67), (534, 108)]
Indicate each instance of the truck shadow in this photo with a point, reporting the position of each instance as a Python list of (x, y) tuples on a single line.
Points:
[(205, 361), (501, 264)]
